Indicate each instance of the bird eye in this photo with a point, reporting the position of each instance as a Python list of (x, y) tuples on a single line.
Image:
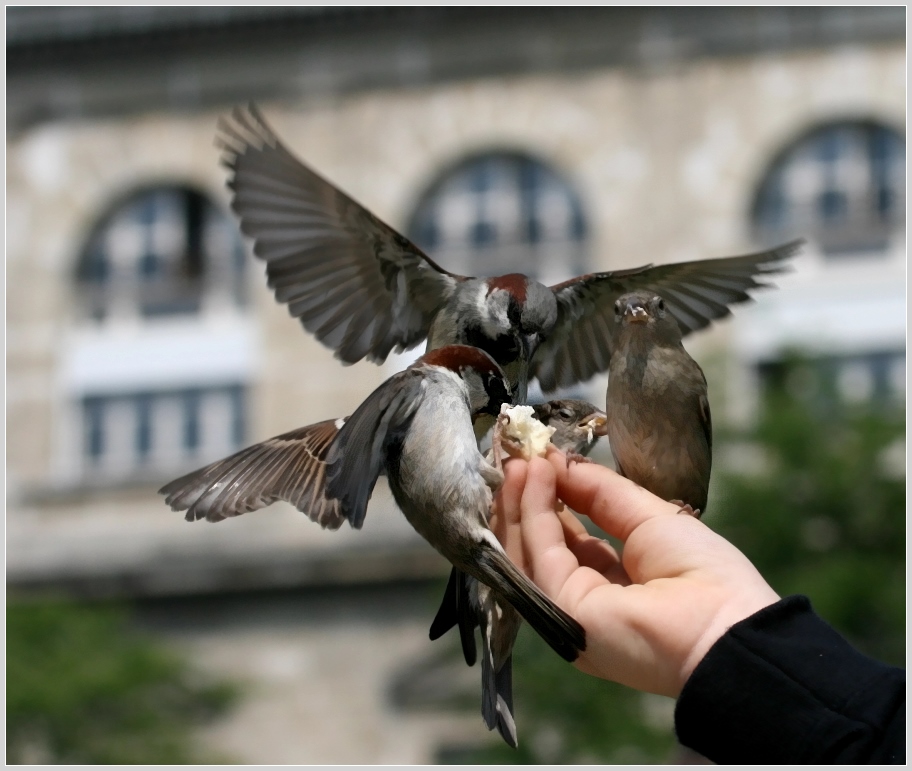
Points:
[(565, 413), (661, 305)]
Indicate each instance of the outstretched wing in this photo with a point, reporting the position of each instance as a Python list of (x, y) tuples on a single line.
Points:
[(356, 458), (359, 286), (290, 467), (696, 293)]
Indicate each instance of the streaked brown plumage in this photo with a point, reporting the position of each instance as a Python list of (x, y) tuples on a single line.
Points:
[(290, 467)]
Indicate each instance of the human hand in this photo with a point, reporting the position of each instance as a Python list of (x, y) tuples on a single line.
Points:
[(651, 613)]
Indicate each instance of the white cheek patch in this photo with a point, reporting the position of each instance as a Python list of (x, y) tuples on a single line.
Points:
[(494, 315)]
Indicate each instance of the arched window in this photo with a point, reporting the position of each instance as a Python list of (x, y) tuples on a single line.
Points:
[(150, 399), (502, 213), (162, 251), (842, 184)]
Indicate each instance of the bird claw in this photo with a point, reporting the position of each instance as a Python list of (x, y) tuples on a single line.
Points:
[(686, 508), (575, 457), (501, 443)]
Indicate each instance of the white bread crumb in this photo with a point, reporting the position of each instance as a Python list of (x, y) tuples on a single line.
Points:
[(527, 430)]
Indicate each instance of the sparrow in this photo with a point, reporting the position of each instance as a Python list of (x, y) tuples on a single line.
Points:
[(659, 423), (363, 289), (579, 425), (467, 604), (417, 429)]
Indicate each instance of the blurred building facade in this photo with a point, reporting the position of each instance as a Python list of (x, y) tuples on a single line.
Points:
[(142, 341)]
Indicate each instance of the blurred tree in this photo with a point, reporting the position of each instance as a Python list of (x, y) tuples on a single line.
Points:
[(814, 495), (821, 508), (82, 687), (564, 716)]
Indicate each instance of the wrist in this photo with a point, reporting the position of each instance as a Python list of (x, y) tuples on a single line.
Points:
[(733, 610)]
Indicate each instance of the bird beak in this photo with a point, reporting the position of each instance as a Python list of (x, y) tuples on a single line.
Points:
[(522, 387), (528, 345), (596, 424), (636, 313)]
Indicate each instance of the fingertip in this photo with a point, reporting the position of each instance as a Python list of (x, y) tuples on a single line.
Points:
[(541, 480), (508, 499), (541, 466), (557, 459), (515, 470), (515, 475)]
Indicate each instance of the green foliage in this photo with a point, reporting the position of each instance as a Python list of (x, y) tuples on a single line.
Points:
[(823, 514), (83, 688), (565, 716), (814, 505)]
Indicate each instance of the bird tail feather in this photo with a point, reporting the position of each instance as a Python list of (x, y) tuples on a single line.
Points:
[(557, 628), (456, 609), (496, 684)]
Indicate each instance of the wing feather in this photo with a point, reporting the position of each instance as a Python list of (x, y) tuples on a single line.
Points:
[(357, 456), (290, 467), (321, 247), (696, 293)]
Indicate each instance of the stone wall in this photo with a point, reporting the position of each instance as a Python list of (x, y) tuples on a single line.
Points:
[(666, 159)]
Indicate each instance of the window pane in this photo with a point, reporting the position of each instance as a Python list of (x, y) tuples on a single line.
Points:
[(159, 253), (843, 185), (127, 433), (191, 421), (94, 416), (488, 216), (144, 426)]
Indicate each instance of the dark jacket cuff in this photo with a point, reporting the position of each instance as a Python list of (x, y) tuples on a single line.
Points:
[(782, 686)]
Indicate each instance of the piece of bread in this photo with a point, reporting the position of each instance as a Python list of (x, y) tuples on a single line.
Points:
[(527, 431)]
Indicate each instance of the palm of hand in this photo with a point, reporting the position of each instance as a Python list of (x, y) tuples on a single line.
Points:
[(650, 613)]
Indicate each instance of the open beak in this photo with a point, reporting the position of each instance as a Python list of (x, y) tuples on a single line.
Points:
[(596, 424), (636, 313)]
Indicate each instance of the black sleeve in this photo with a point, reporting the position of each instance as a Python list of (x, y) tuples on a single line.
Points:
[(784, 687)]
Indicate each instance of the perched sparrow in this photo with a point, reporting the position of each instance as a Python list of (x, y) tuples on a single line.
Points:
[(659, 424), (579, 425), (467, 604), (363, 289), (417, 428)]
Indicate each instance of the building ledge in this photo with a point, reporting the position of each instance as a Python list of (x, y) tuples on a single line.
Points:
[(211, 575), (127, 543)]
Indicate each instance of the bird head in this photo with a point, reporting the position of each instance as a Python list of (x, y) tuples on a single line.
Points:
[(639, 308), (484, 379), (579, 424), (645, 310), (516, 315)]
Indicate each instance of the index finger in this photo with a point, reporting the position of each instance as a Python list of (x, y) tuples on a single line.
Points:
[(547, 556), (614, 503), (505, 516)]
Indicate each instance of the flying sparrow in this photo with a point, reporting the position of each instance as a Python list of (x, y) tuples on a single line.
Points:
[(364, 289)]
